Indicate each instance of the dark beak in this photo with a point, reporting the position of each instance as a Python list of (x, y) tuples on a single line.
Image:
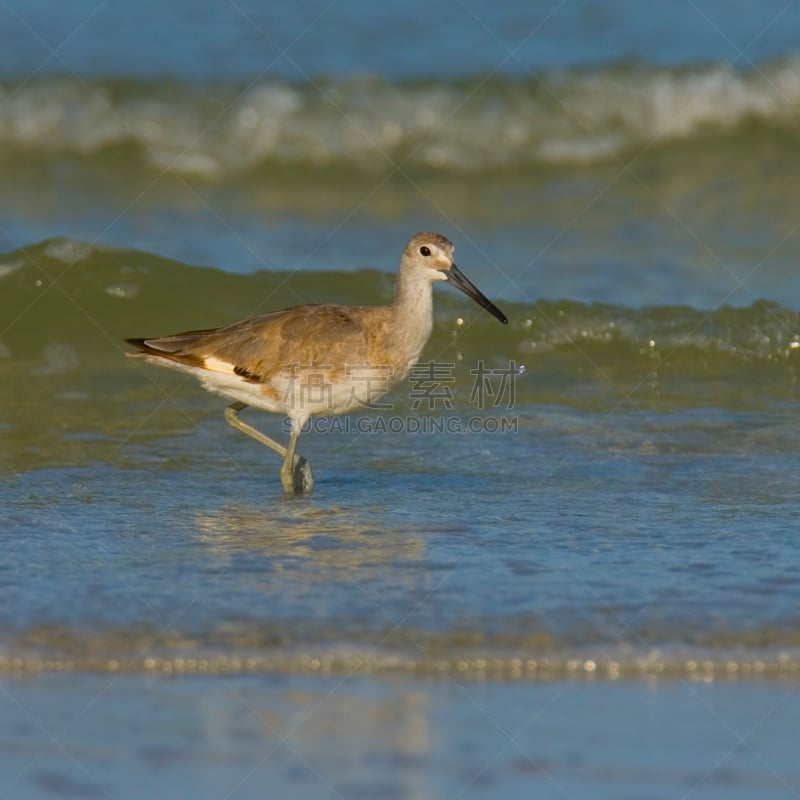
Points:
[(462, 282)]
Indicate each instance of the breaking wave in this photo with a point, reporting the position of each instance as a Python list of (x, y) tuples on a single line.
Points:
[(219, 132)]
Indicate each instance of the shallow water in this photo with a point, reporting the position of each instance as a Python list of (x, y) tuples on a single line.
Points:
[(626, 544), (574, 572), (359, 737), (645, 544)]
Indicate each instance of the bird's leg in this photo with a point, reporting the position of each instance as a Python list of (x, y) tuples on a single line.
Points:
[(296, 475), (232, 418)]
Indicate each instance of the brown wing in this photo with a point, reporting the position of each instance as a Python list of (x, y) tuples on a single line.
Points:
[(259, 348)]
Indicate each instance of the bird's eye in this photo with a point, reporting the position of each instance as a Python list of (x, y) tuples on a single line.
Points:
[(425, 250)]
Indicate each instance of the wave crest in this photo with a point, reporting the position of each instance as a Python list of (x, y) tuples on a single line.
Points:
[(571, 117)]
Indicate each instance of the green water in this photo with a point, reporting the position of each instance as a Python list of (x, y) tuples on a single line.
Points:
[(82, 396), (669, 431)]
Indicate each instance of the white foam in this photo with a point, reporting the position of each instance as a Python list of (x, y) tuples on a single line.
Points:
[(567, 117)]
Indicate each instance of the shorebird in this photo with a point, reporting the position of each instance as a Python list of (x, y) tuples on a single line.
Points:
[(317, 359)]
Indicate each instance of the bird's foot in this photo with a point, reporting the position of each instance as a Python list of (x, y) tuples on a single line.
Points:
[(300, 480)]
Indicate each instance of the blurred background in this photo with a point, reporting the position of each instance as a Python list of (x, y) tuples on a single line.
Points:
[(593, 150)]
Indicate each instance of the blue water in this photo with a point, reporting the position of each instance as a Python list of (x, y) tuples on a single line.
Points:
[(604, 152), (350, 737), (600, 604), (209, 40)]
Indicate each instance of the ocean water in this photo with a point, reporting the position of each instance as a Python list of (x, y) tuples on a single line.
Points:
[(570, 569)]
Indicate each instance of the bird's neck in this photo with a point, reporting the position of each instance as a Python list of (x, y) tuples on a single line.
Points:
[(412, 312)]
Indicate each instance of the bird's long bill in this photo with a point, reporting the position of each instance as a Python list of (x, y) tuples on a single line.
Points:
[(462, 282)]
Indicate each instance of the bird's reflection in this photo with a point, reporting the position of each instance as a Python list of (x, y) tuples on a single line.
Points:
[(333, 538)]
